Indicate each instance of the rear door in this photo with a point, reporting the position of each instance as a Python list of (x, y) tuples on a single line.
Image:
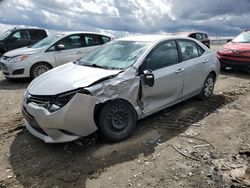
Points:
[(168, 76), (91, 42), (195, 65)]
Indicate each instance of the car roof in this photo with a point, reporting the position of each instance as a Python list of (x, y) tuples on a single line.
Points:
[(151, 38), (84, 32), (27, 29), (187, 33)]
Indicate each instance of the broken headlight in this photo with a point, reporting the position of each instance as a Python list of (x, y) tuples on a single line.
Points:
[(62, 99), (54, 103)]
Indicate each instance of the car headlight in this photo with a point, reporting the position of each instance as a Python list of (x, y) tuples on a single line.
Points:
[(18, 58), (225, 50), (55, 102), (62, 99)]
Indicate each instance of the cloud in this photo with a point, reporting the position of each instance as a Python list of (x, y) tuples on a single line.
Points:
[(222, 17)]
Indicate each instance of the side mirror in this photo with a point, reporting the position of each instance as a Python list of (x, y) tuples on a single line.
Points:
[(60, 47), (229, 40), (148, 78)]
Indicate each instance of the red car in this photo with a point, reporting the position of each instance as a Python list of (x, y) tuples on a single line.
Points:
[(236, 54)]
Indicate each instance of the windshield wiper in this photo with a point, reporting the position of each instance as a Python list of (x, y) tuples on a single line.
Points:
[(97, 66)]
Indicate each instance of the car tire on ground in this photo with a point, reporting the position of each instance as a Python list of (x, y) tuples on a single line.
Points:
[(38, 69), (117, 120), (208, 87)]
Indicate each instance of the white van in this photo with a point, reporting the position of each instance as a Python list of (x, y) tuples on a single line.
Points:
[(50, 52)]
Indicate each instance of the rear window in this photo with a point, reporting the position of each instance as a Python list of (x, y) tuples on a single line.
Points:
[(38, 34)]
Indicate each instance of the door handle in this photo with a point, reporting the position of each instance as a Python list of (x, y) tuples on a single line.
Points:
[(205, 61), (179, 70)]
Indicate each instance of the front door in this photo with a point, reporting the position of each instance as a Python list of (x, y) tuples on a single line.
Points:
[(18, 39), (168, 78), (73, 46)]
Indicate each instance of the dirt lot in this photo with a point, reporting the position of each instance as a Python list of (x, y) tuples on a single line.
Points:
[(192, 144)]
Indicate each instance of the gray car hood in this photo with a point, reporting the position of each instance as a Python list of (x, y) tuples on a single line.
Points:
[(22, 51), (67, 77)]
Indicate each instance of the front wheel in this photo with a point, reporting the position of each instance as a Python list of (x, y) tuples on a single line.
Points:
[(38, 69), (117, 120), (208, 87)]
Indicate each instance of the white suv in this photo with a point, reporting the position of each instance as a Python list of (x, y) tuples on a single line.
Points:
[(50, 52)]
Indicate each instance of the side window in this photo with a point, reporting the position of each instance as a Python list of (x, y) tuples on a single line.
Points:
[(105, 39), (198, 36), (204, 36), (71, 42), (37, 34), (92, 40), (188, 49), (192, 36), (162, 56), (21, 35)]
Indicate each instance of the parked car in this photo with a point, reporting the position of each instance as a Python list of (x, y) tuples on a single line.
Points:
[(200, 36), (236, 54), (117, 84), (17, 38), (50, 52)]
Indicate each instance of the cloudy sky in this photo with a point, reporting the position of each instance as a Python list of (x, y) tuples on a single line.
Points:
[(216, 17)]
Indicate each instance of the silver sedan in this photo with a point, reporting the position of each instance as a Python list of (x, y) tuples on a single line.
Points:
[(111, 88)]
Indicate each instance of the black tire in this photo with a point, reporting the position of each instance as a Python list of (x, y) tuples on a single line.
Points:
[(38, 69), (117, 120), (208, 87)]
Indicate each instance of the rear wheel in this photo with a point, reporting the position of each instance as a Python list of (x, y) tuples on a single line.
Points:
[(117, 120), (208, 87), (38, 69)]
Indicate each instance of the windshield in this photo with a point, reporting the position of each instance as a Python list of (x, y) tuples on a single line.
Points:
[(47, 41), (4, 34), (242, 38), (115, 55)]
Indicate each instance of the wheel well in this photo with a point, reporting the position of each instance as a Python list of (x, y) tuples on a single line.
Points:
[(99, 106), (40, 62), (214, 74)]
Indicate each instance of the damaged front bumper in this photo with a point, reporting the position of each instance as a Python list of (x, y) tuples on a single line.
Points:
[(74, 120)]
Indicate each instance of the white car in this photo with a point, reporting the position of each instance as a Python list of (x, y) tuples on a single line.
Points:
[(50, 52), (117, 84)]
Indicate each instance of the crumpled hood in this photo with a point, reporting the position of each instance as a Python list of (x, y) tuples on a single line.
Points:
[(66, 78), (22, 51), (237, 46)]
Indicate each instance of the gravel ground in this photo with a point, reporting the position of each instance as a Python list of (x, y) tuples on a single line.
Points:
[(192, 144)]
